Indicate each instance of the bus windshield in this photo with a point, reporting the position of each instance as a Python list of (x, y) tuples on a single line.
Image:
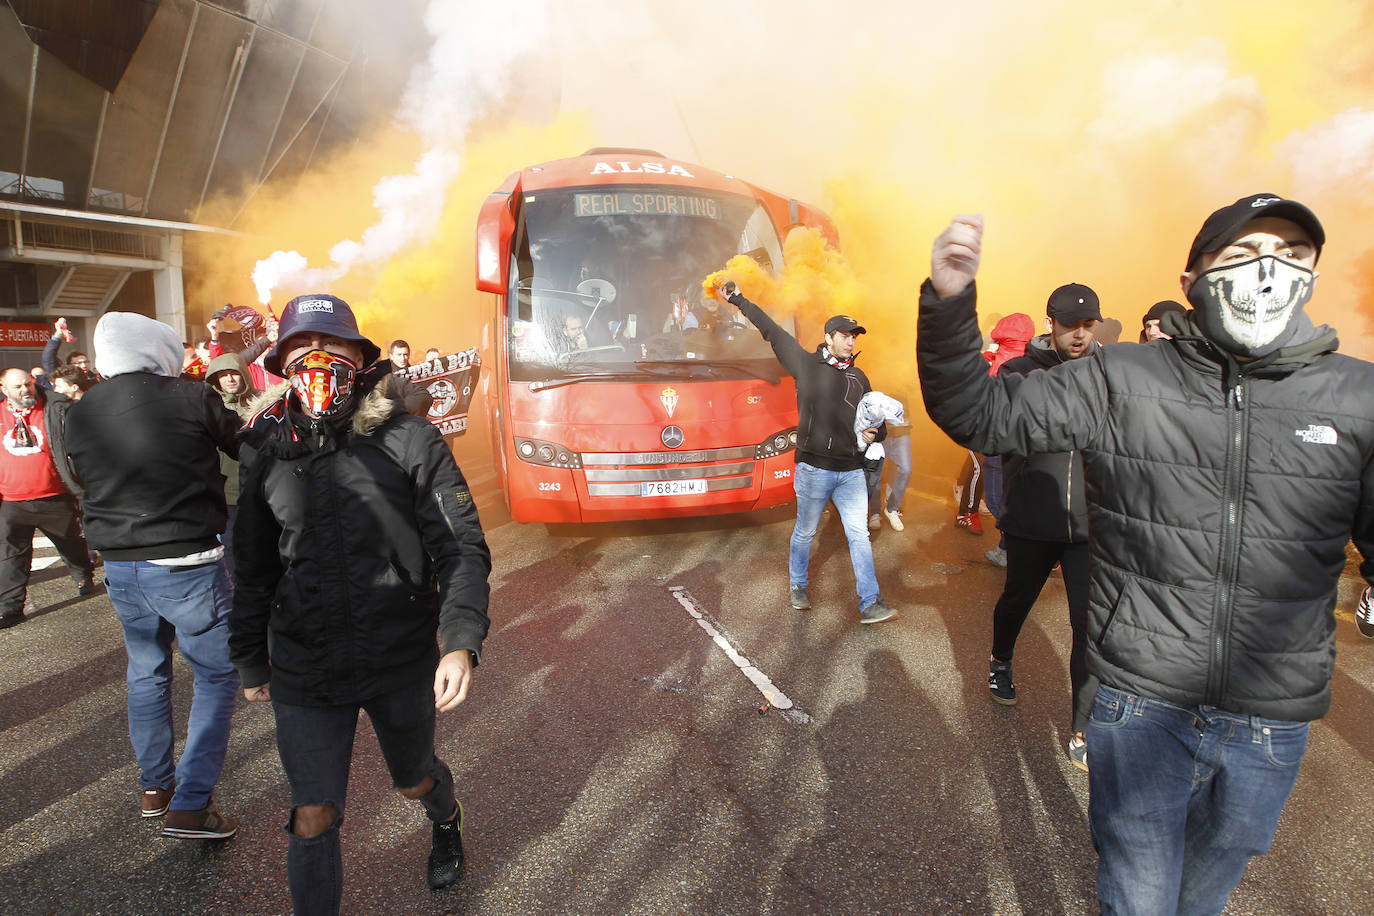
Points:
[(606, 283)]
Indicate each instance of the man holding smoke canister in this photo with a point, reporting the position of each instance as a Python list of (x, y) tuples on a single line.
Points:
[(830, 464), (1226, 469)]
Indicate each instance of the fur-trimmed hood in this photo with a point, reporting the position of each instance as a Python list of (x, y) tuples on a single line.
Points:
[(269, 412)]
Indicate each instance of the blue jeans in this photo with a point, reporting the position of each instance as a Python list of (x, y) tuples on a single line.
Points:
[(1180, 798), (316, 748), (156, 604), (992, 484), (847, 489)]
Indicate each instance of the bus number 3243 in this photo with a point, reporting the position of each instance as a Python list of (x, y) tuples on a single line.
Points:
[(785, 472), (545, 485)]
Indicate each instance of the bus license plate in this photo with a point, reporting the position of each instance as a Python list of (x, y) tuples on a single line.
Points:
[(672, 487)]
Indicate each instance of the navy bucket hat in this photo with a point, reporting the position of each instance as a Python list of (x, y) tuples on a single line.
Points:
[(319, 313)]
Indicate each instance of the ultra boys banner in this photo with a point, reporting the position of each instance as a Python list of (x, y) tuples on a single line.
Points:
[(450, 380)]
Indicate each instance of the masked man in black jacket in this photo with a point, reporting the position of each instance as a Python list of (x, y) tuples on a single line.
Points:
[(356, 540), (1226, 470), (830, 464)]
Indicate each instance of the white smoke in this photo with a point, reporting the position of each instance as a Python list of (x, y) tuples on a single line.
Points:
[(1333, 156), (477, 46), (1149, 93)]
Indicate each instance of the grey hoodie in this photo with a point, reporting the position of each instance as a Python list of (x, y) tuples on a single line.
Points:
[(129, 342)]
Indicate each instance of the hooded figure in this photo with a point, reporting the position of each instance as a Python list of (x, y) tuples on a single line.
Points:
[(1011, 335), (244, 391)]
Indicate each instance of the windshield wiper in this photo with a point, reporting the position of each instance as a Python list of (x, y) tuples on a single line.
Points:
[(587, 377), (771, 376)]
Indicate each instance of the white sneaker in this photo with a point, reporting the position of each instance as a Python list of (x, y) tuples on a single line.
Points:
[(894, 518), (874, 521)]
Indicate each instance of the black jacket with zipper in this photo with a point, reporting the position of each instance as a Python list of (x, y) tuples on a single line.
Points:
[(355, 542), (1042, 494), (1221, 497), (827, 396)]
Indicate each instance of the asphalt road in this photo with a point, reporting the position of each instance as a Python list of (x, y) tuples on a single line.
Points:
[(615, 758)]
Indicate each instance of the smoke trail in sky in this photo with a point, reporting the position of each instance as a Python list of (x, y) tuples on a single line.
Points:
[(476, 47)]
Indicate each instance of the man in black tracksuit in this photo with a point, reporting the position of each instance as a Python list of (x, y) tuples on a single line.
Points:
[(1226, 470), (1044, 518), (356, 541), (830, 464)]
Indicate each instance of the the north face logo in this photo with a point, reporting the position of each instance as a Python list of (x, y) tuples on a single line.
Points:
[(315, 305), (1317, 435)]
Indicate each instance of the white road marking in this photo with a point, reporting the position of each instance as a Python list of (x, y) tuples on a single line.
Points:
[(775, 697), (44, 562)]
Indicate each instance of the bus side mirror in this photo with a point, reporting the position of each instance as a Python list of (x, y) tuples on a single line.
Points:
[(495, 228), (802, 214)]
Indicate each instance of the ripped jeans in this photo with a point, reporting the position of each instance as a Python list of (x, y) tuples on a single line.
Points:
[(316, 748)]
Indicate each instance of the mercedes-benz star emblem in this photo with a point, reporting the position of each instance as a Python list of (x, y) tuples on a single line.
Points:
[(672, 436)]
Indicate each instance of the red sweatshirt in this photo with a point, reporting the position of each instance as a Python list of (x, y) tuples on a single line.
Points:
[(26, 472)]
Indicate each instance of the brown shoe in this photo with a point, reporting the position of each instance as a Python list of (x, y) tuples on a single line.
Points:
[(155, 801), (205, 824)]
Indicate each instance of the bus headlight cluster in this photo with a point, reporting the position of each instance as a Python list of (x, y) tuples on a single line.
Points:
[(776, 444), (549, 454)]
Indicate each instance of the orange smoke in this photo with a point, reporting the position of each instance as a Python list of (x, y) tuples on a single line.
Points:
[(1094, 140)]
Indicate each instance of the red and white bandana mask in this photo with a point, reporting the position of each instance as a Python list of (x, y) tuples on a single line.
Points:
[(323, 381)]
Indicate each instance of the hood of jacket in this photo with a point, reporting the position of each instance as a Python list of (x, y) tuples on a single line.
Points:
[(1011, 334), (274, 423), (129, 342), (232, 362)]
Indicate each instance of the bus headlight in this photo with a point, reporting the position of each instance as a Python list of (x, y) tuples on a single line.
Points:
[(548, 454), (780, 442)]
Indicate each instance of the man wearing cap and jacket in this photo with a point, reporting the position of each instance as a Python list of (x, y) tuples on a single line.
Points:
[(830, 464), (1226, 470), (1044, 518), (357, 542)]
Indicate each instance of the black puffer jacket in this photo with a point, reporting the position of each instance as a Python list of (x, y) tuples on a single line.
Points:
[(353, 545), (827, 397), (1042, 494), (1220, 500)]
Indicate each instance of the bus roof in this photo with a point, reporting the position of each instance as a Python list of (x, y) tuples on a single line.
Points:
[(616, 165)]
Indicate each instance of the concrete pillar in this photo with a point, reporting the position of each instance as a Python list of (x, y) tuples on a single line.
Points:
[(169, 297)]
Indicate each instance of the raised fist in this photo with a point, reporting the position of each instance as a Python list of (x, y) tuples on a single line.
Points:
[(954, 259), (60, 326)]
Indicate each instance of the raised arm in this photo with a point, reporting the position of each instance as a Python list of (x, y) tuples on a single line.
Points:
[(1052, 411)]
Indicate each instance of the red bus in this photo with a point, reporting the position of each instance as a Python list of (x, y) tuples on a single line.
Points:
[(614, 390)]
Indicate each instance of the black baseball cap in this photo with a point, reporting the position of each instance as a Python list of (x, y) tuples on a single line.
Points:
[(844, 323), (1223, 225), (1072, 303), (322, 314)]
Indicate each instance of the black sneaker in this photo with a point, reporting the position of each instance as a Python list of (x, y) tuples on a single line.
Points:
[(999, 682), (87, 586), (12, 620), (799, 599), (446, 854)]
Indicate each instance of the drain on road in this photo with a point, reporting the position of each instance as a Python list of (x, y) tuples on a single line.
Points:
[(775, 697)]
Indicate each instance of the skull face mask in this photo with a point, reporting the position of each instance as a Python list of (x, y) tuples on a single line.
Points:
[(1252, 308), (322, 380)]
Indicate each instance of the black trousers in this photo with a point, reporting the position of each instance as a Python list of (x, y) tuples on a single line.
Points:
[(1029, 564), (55, 516)]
